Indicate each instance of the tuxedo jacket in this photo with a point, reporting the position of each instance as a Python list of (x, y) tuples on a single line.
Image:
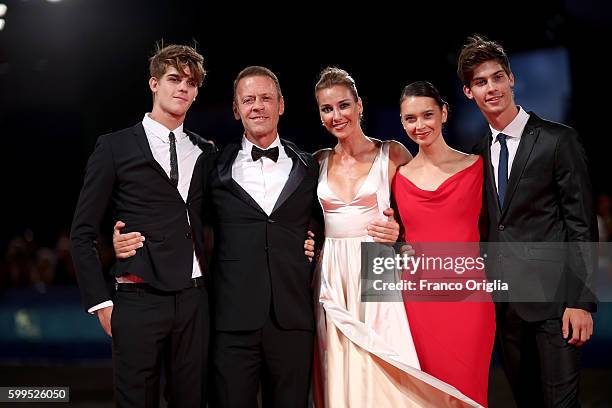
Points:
[(258, 264), (122, 176), (548, 200)]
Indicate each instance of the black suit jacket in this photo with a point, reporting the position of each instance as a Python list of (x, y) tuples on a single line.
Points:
[(548, 200), (259, 263), (122, 175)]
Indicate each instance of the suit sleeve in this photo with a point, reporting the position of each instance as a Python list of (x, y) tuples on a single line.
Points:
[(207, 205), (93, 202), (576, 202)]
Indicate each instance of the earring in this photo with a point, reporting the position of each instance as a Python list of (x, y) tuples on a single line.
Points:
[(322, 123)]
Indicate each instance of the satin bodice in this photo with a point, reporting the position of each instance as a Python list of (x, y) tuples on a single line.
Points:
[(350, 220)]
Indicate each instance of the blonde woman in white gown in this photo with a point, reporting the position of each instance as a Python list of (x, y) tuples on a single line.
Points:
[(365, 356)]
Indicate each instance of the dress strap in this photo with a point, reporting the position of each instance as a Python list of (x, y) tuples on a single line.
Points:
[(383, 192), (323, 166)]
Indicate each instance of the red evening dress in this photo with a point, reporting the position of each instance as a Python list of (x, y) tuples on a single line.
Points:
[(453, 339)]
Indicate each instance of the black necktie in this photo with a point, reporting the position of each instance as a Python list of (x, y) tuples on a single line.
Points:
[(173, 160), (257, 153), (502, 169)]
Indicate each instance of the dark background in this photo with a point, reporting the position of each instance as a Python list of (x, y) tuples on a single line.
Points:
[(75, 69)]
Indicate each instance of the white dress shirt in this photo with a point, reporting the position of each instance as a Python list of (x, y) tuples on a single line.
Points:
[(263, 179), (514, 130), (187, 154)]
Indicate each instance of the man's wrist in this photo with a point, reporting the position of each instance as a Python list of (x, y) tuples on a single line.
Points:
[(99, 306)]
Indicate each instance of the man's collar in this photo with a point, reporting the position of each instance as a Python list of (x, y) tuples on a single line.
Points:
[(515, 128), (159, 130)]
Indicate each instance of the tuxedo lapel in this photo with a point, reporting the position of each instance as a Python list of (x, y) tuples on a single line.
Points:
[(528, 139), (196, 179), (489, 171), (143, 143), (297, 174), (224, 169)]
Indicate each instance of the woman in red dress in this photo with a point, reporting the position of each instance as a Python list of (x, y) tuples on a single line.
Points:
[(439, 196)]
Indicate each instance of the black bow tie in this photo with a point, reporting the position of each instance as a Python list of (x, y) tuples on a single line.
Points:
[(257, 153)]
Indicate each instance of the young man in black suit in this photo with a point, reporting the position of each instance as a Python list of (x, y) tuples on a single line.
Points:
[(536, 189), (149, 175)]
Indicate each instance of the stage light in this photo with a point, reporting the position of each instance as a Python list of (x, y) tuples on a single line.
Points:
[(1, 24), (2, 9), (54, 1)]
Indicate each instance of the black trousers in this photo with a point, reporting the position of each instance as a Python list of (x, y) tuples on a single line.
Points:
[(149, 328), (542, 368), (280, 360)]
